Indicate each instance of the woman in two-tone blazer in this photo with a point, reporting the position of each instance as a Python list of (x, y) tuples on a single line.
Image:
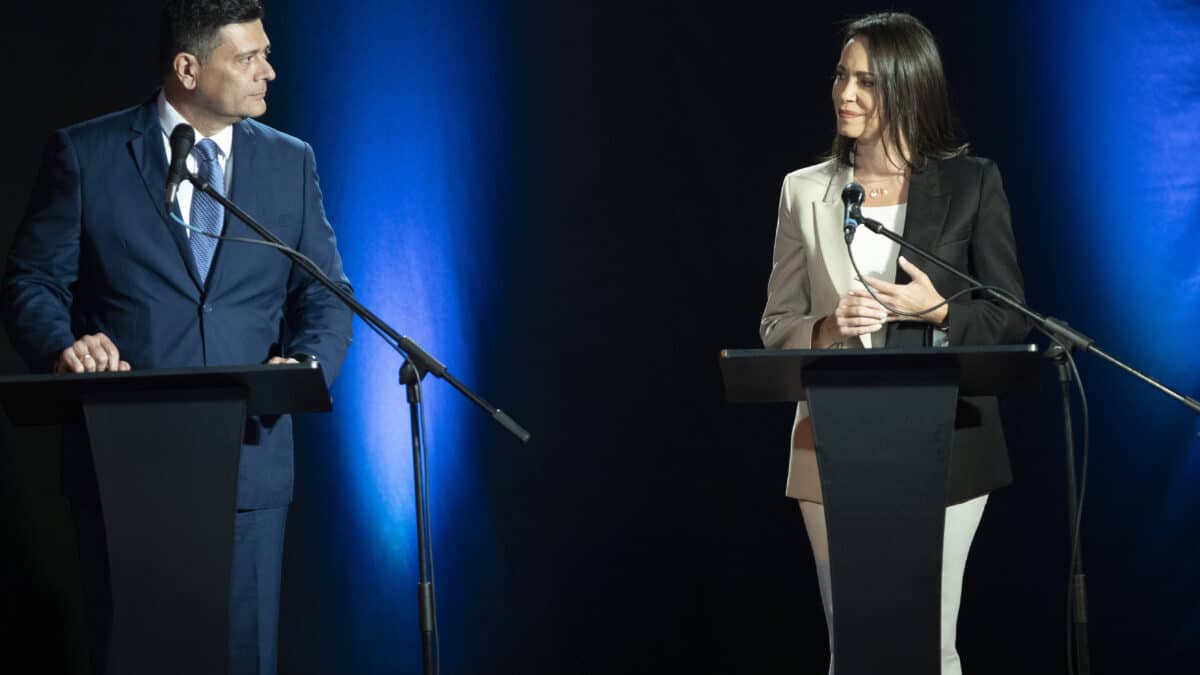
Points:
[(895, 138)]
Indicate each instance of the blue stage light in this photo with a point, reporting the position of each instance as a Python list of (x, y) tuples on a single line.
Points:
[(399, 101), (1122, 103), (1127, 102)]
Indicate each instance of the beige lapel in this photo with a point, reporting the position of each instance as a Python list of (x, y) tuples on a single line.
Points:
[(828, 215)]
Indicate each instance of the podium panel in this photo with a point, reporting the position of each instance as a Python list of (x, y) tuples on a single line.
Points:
[(883, 426), (883, 448), (167, 476), (165, 445)]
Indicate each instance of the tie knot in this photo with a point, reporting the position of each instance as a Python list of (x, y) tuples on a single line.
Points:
[(206, 150)]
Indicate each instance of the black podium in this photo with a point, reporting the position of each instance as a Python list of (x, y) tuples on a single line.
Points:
[(883, 425), (166, 445)]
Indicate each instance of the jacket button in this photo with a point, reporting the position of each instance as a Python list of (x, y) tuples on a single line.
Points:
[(207, 308)]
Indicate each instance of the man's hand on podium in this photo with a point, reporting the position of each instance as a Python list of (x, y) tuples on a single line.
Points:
[(90, 354)]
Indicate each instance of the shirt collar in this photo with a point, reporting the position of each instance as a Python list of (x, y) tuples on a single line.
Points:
[(169, 118)]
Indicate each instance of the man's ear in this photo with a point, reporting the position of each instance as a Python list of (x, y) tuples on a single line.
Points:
[(184, 68)]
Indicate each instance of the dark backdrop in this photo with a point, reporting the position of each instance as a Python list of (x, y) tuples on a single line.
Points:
[(645, 526)]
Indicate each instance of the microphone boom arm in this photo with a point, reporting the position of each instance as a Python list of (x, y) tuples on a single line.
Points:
[(1056, 329), (423, 360)]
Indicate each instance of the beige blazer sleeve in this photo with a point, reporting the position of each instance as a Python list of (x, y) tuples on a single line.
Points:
[(806, 283), (809, 274)]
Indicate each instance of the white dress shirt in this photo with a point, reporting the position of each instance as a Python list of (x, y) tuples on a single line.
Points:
[(168, 118), (876, 257), (876, 254)]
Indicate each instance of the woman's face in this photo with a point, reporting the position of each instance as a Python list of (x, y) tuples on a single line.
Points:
[(855, 101)]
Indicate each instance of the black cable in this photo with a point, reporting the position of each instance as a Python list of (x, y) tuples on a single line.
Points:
[(1075, 534), (279, 247), (893, 310), (1083, 471), (1073, 637), (1069, 644)]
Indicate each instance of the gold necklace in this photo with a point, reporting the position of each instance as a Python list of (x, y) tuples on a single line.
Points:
[(879, 188)]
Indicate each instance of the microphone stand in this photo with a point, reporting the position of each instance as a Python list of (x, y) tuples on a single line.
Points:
[(417, 362), (1066, 340)]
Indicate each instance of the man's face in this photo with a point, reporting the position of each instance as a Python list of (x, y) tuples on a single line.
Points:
[(231, 84)]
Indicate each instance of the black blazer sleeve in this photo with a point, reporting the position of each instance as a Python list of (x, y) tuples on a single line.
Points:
[(991, 257)]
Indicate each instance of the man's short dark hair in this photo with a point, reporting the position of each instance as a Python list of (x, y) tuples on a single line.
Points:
[(192, 26)]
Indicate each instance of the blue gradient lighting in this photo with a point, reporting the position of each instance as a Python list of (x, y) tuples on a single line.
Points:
[(397, 100), (1124, 98), (1127, 77)]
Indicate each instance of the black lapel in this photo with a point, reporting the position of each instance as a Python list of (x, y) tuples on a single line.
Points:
[(243, 193), (926, 216), (923, 226), (150, 153)]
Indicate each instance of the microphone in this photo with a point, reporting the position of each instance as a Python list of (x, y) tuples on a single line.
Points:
[(182, 140), (852, 196)]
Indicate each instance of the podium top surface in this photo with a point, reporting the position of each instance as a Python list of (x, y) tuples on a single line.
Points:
[(762, 375), (31, 400)]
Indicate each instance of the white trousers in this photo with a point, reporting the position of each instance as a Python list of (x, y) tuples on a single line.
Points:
[(961, 522)]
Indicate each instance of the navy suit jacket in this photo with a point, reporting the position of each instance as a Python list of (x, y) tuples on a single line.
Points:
[(98, 253)]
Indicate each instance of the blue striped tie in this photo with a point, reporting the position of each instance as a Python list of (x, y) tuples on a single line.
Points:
[(207, 215)]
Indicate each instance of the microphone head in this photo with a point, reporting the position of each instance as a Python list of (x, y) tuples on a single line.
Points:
[(852, 195), (183, 137)]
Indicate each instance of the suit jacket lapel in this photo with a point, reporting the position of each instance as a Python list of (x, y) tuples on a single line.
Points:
[(829, 214), (926, 216), (923, 226), (150, 154)]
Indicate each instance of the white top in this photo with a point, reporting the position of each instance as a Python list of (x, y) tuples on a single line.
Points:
[(168, 118), (876, 254)]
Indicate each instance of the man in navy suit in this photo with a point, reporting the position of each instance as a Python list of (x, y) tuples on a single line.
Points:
[(101, 278)]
